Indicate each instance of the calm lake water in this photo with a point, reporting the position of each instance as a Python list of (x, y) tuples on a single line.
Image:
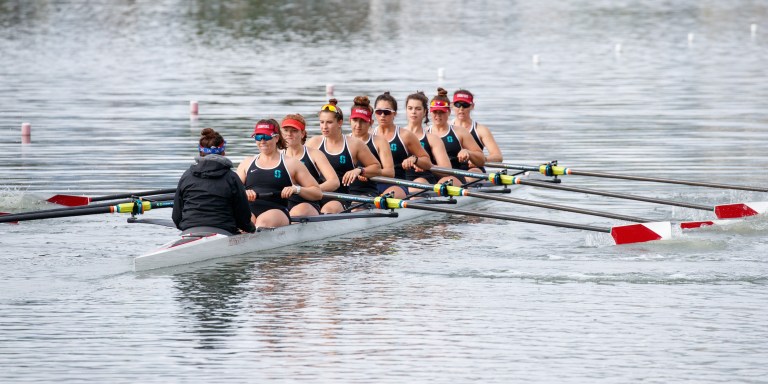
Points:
[(674, 89)]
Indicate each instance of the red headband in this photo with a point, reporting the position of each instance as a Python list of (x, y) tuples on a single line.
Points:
[(461, 96), (293, 123), (264, 129)]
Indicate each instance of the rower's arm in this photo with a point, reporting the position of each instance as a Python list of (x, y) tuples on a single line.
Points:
[(494, 153), (366, 158), (385, 155), (415, 149), (331, 182), (309, 190), (438, 151), (476, 155)]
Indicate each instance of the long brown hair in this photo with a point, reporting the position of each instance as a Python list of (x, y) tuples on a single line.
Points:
[(420, 96)]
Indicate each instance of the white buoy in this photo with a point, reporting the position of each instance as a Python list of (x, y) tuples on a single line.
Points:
[(440, 73), (535, 59), (617, 49), (193, 108), (26, 133), (753, 30), (690, 38), (329, 89)]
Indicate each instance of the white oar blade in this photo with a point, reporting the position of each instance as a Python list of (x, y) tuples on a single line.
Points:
[(734, 211), (641, 232)]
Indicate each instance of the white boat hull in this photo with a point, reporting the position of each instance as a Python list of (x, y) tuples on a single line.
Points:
[(217, 245)]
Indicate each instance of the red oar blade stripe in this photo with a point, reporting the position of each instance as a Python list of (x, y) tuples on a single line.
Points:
[(696, 224), (733, 211), (69, 200), (707, 223), (642, 232)]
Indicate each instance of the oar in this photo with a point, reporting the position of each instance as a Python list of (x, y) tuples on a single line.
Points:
[(136, 207), (554, 170), (449, 190), (73, 201), (623, 234), (724, 211), (71, 209)]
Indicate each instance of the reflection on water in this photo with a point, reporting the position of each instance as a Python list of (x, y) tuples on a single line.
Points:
[(106, 87)]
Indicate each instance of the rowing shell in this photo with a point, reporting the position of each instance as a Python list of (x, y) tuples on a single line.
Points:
[(207, 246)]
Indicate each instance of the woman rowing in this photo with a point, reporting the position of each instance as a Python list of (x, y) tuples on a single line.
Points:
[(209, 196), (270, 171), (406, 150), (360, 122), (293, 131), (459, 144), (348, 156), (416, 110), (463, 105)]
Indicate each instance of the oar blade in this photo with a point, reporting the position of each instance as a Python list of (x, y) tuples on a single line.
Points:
[(706, 223), (70, 200), (737, 210), (641, 232)]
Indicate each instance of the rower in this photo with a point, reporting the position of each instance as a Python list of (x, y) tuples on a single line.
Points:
[(209, 196), (293, 131), (360, 122), (270, 171), (348, 156), (463, 105), (406, 150), (416, 112), (459, 144)]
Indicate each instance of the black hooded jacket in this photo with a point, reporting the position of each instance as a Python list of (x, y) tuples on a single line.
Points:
[(210, 194)]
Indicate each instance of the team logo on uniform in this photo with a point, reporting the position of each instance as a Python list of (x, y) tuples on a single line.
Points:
[(422, 144), (449, 139), (278, 173), (342, 159), (393, 147)]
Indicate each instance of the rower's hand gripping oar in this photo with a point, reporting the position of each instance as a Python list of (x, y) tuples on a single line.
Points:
[(623, 234), (73, 201), (725, 211)]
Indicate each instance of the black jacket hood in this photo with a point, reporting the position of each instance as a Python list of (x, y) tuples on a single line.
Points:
[(210, 167)]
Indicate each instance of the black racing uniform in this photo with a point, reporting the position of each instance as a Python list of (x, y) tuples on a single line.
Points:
[(295, 200), (263, 180), (411, 174), (453, 147), (367, 188), (473, 132), (210, 194), (341, 163)]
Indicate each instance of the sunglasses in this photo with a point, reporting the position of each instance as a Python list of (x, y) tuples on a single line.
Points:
[(263, 137), (384, 111), (330, 107), (462, 104)]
